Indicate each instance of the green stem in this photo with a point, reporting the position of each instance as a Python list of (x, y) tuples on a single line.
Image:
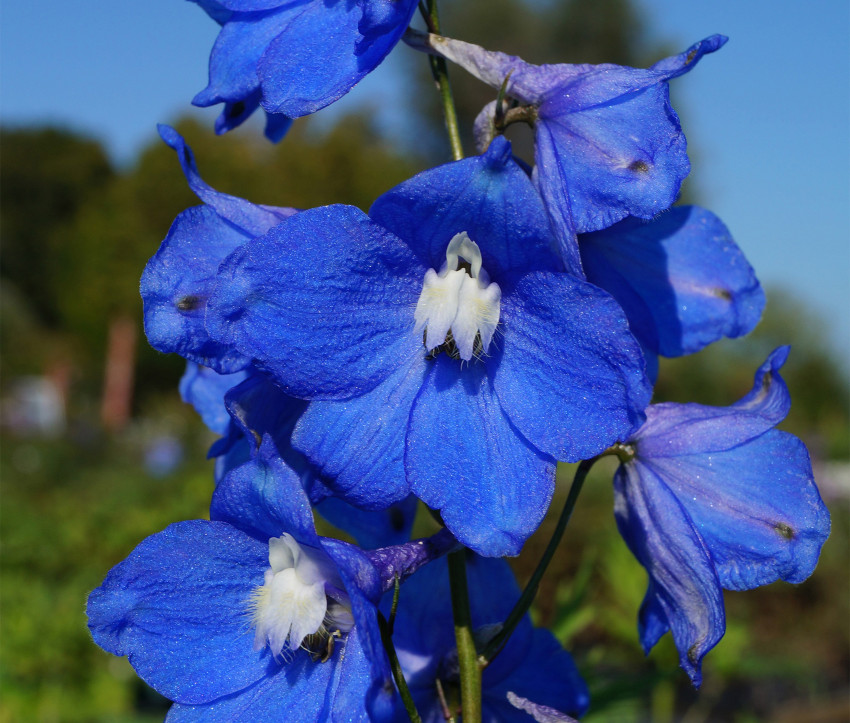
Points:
[(467, 656), (395, 666), (441, 75), (492, 648)]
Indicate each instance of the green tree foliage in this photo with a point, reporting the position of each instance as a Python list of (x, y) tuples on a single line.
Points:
[(46, 176)]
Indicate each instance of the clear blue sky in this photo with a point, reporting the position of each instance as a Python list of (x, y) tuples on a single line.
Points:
[(769, 114)]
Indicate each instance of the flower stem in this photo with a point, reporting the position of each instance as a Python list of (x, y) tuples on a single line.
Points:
[(495, 645), (441, 75), (395, 666), (467, 656)]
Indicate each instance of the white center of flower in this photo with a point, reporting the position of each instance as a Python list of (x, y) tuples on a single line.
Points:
[(293, 603), (459, 306)]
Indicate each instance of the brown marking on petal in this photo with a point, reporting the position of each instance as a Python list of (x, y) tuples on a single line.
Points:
[(785, 530), (639, 166), (721, 294), (690, 56), (693, 655), (190, 302)]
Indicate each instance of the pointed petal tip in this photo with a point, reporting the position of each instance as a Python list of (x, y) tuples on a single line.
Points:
[(499, 152)]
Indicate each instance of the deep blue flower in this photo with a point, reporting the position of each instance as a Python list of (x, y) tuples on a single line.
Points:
[(532, 665), (293, 58), (681, 280), (608, 144), (443, 348), (176, 281), (715, 497), (251, 615), (231, 618)]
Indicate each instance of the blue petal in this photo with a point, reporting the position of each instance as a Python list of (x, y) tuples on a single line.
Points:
[(237, 51), (302, 691), (570, 375), (546, 675), (693, 282), (248, 217), (756, 507), (264, 497), (359, 443), (488, 196), (371, 528), (204, 389), (324, 302), (177, 282), (598, 165), (683, 581), (325, 50), (673, 429), (363, 585), (465, 459), (178, 606)]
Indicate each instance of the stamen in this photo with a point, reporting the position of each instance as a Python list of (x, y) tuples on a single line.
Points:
[(292, 605), (458, 308)]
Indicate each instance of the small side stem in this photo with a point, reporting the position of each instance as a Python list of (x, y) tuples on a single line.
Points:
[(440, 69), (524, 603), (395, 666), (470, 672)]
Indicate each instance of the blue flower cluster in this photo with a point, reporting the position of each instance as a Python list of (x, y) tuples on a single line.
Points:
[(481, 323)]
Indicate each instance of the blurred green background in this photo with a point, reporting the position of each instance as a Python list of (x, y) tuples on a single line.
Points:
[(98, 451)]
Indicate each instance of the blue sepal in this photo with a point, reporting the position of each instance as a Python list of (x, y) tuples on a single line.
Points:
[(681, 279), (204, 389)]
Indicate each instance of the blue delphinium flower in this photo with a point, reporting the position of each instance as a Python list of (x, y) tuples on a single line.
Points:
[(232, 618), (251, 615), (175, 283), (293, 58), (532, 666), (712, 498), (443, 348), (608, 144), (681, 280)]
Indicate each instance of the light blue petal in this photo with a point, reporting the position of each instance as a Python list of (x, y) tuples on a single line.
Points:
[(691, 277), (598, 165), (755, 506), (359, 443), (569, 375), (673, 429), (324, 302), (178, 607), (661, 536), (465, 459), (489, 197)]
